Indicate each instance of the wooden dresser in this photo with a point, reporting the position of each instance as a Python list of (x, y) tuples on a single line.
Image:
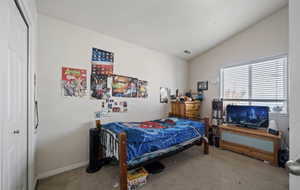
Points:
[(188, 109), (252, 142)]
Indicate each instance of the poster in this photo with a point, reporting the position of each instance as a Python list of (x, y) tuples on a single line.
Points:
[(142, 89), (164, 95), (102, 62), (73, 82), (123, 86), (100, 86)]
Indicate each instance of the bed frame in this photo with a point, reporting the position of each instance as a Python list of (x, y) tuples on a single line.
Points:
[(122, 153)]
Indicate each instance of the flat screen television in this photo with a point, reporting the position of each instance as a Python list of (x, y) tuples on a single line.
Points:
[(248, 116)]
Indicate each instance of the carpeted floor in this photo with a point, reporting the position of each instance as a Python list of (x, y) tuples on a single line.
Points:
[(189, 170)]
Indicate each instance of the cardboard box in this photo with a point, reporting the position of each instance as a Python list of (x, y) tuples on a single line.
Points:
[(137, 178)]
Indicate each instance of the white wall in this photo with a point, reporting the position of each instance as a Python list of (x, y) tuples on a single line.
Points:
[(294, 87), (267, 38), (64, 122)]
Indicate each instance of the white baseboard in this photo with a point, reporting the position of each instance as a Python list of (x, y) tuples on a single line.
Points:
[(61, 170)]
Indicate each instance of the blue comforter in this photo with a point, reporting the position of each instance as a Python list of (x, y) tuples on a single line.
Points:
[(172, 131)]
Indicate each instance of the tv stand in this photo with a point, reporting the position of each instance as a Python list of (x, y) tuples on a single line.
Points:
[(256, 143)]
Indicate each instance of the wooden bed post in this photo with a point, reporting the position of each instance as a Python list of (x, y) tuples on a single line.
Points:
[(205, 139), (205, 144), (206, 123), (122, 161)]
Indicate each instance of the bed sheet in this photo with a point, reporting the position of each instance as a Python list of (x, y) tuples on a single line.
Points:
[(158, 136)]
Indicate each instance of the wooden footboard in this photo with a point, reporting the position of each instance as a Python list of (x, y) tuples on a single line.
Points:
[(206, 124), (204, 140), (205, 145)]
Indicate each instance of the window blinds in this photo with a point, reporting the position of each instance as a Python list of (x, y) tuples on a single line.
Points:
[(258, 83), (236, 82), (269, 79)]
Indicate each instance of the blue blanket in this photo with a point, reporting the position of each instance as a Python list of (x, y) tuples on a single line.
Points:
[(145, 138)]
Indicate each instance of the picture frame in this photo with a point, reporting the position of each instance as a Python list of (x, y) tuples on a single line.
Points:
[(164, 95), (202, 85)]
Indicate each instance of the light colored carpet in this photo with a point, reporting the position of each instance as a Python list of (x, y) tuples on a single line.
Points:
[(189, 170)]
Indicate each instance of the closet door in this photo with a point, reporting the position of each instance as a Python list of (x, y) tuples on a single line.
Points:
[(14, 173)]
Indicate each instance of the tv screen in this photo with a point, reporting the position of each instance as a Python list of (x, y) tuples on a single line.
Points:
[(248, 116)]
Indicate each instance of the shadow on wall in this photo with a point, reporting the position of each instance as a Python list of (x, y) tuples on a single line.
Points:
[(67, 148)]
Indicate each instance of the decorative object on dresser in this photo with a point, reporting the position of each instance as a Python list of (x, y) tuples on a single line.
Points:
[(187, 109), (256, 143)]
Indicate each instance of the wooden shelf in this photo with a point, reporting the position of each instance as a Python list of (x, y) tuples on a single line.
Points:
[(256, 143), (256, 132)]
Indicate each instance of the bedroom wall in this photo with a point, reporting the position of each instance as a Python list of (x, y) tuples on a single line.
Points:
[(269, 37), (65, 122)]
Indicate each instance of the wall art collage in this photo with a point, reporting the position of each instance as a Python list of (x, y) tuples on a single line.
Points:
[(111, 106), (104, 84)]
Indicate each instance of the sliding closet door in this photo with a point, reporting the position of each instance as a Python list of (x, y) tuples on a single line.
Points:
[(14, 173)]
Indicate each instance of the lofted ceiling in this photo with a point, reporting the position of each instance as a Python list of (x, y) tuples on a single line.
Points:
[(169, 26)]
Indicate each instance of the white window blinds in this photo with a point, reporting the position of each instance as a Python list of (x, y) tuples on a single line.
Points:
[(258, 83), (236, 82), (269, 79)]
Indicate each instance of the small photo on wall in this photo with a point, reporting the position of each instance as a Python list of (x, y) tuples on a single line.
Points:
[(202, 85), (164, 95), (117, 106), (73, 82), (142, 89), (123, 86)]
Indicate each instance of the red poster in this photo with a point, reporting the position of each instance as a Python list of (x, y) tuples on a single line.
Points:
[(73, 81)]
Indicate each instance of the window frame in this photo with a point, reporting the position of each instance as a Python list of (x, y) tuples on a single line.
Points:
[(250, 63)]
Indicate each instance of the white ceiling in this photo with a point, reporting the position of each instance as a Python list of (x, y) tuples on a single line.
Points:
[(170, 26)]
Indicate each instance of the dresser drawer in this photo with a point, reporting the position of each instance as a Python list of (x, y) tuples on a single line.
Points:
[(192, 112), (192, 115), (191, 107)]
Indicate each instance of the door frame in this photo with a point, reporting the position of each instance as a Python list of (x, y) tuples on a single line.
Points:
[(30, 17)]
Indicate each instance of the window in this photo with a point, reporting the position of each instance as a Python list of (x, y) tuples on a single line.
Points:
[(261, 83)]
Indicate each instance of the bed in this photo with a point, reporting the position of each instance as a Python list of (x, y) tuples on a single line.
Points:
[(134, 144)]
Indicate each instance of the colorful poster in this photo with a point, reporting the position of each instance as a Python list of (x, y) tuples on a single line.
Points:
[(142, 89), (100, 86), (123, 86), (73, 82), (102, 62), (164, 95)]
